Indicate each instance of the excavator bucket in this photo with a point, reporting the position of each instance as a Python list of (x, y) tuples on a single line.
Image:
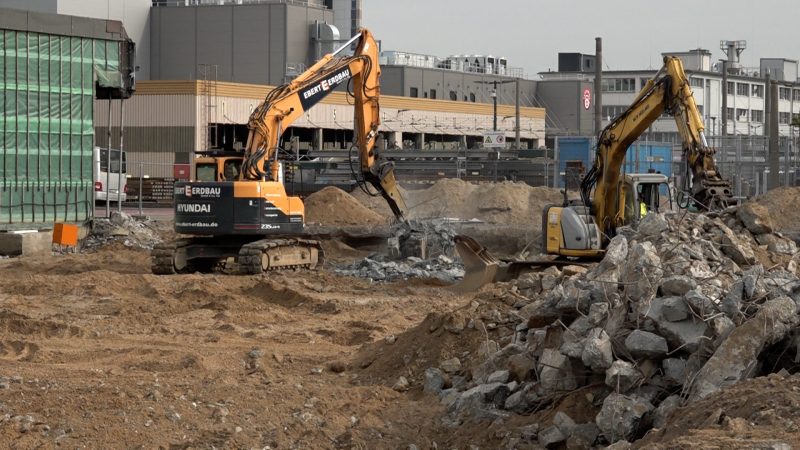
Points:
[(480, 267)]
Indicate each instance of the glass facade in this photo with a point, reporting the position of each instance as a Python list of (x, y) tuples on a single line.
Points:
[(46, 125)]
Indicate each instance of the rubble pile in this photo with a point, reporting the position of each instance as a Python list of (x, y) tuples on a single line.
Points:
[(676, 310), (123, 228), (379, 268)]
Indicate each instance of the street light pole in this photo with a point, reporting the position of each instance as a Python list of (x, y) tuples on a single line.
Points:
[(494, 100)]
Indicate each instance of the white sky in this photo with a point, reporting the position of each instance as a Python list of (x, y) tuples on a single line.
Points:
[(530, 33)]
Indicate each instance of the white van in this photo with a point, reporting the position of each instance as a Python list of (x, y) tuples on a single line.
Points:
[(107, 183)]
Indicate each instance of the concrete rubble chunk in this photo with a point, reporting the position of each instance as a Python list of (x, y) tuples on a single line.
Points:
[(452, 365), (732, 302), (687, 334), (699, 303), (564, 423), (583, 436), (722, 327), (521, 367), (435, 381), (665, 408), (737, 357), (598, 313), (740, 252), (642, 273), (597, 352), (622, 376), (619, 417), (676, 285), (607, 272), (479, 397), (674, 370), (555, 372), (652, 225), (550, 437), (522, 401), (499, 376), (643, 344), (755, 218), (619, 445), (750, 279), (675, 309)]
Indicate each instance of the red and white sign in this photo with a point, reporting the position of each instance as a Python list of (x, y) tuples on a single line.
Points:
[(587, 98)]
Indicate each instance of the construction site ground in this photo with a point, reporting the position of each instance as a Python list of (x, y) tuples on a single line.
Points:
[(96, 352)]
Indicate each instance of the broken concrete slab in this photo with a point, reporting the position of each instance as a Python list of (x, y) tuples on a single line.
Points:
[(677, 285), (26, 243), (643, 344), (597, 353), (675, 309), (619, 417), (555, 372), (622, 376), (737, 356), (755, 218), (674, 370), (687, 334)]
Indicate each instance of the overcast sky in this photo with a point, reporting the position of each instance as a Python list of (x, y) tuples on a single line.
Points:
[(530, 33)]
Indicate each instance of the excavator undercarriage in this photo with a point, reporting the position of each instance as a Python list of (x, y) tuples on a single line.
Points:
[(206, 254)]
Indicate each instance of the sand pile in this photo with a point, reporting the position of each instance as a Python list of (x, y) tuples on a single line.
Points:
[(333, 206), (783, 205), (503, 203)]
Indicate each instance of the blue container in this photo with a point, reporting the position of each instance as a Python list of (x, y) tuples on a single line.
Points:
[(574, 149), (642, 157)]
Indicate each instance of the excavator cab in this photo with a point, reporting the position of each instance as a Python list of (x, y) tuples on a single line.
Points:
[(644, 193), (217, 168)]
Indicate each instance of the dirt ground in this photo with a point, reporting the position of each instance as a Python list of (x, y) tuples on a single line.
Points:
[(95, 352), (98, 353)]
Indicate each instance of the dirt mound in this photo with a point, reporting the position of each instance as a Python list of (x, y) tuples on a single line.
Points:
[(333, 206), (758, 413), (502, 203), (783, 204)]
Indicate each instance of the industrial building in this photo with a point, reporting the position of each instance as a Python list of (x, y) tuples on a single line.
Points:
[(568, 94), (51, 69)]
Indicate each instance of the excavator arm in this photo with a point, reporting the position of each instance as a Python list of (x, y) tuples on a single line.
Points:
[(669, 91), (285, 104)]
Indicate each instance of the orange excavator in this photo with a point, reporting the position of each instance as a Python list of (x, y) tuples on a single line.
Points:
[(245, 213)]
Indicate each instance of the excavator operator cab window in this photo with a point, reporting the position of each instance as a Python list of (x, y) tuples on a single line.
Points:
[(231, 169), (206, 172)]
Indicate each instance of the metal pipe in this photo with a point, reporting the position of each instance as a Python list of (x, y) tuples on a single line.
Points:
[(108, 163), (516, 118), (141, 175), (346, 44), (598, 89), (121, 161)]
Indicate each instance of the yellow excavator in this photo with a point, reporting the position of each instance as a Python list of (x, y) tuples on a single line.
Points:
[(609, 198), (249, 216)]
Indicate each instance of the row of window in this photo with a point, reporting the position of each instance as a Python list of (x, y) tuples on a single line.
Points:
[(453, 95), (743, 89), (741, 114)]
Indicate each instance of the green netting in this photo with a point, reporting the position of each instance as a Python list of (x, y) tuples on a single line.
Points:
[(46, 124)]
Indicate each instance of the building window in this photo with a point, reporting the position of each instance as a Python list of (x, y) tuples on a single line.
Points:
[(472, 97), (619, 85), (433, 94), (696, 82), (758, 90), (414, 92), (643, 82), (730, 115), (741, 115), (454, 96), (757, 115), (700, 109), (742, 89), (731, 87), (796, 95), (785, 93), (785, 118), (425, 94)]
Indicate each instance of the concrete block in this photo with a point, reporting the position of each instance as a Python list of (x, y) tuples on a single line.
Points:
[(26, 243)]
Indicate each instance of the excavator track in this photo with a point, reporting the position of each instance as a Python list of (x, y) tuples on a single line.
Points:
[(280, 254), (254, 257)]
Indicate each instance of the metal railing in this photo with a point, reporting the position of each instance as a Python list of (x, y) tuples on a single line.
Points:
[(172, 3)]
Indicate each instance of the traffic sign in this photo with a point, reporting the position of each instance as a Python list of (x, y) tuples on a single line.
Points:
[(494, 139), (587, 98)]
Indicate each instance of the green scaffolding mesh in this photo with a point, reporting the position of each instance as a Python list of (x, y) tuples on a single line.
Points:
[(46, 124)]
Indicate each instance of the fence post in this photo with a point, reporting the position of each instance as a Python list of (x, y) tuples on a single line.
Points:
[(141, 175)]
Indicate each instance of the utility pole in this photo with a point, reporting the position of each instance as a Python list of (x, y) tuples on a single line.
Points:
[(598, 82), (516, 113), (724, 97), (494, 100), (494, 84), (774, 150)]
